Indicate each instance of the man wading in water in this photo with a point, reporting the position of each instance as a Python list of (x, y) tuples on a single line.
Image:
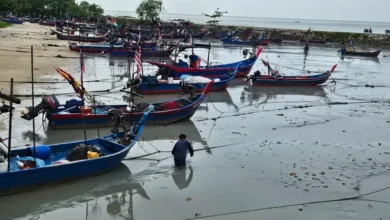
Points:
[(179, 151)]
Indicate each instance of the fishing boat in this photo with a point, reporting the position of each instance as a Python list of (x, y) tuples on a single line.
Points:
[(13, 20), (152, 85), (276, 79), (273, 39), (180, 36), (75, 114), (164, 113), (241, 42), (313, 41), (47, 23), (47, 164), (387, 31), (79, 37), (209, 71), (145, 52), (351, 52), (98, 48)]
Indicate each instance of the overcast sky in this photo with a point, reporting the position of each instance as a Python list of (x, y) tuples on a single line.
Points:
[(354, 10)]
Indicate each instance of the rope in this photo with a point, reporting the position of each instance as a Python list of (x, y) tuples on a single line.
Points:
[(292, 205), (51, 82), (300, 106)]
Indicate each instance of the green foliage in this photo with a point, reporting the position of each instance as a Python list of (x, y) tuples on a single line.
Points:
[(217, 14), (149, 10), (51, 8), (4, 24)]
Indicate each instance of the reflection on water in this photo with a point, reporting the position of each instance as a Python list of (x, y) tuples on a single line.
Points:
[(110, 193), (180, 177), (257, 94), (350, 59)]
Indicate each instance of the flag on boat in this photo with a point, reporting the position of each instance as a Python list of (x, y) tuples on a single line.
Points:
[(138, 62), (72, 81)]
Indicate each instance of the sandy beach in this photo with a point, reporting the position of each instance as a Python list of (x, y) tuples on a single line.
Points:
[(262, 152), (15, 53)]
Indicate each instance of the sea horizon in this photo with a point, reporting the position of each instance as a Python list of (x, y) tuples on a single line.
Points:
[(276, 23), (238, 16)]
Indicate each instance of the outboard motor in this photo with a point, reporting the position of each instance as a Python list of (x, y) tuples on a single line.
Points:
[(48, 103)]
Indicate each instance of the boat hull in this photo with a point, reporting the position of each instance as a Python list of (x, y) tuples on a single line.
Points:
[(12, 21), (210, 72), (243, 43), (314, 41), (144, 53), (362, 54), (15, 181), (81, 38), (291, 81), (105, 47), (166, 88)]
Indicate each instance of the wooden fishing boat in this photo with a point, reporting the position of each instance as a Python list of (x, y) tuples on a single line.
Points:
[(13, 20), (359, 53), (47, 165), (180, 36), (151, 85), (74, 114), (164, 113), (280, 80), (240, 42), (144, 52), (273, 39), (313, 41), (98, 48), (47, 23), (211, 71), (83, 38)]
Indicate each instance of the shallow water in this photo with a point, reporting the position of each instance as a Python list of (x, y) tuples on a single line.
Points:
[(264, 136)]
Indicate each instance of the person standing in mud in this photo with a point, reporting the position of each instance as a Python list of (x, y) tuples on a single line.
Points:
[(179, 151)]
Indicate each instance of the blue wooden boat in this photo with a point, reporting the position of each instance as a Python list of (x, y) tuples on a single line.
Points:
[(151, 85), (212, 71), (13, 20), (245, 43), (74, 114), (277, 79), (163, 113), (50, 165), (98, 48)]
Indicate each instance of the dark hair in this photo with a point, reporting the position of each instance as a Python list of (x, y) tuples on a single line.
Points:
[(182, 136)]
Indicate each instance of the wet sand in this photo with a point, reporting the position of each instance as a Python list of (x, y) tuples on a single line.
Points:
[(278, 146)]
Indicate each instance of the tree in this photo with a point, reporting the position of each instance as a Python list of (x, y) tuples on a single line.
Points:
[(217, 14), (51, 8), (149, 10)]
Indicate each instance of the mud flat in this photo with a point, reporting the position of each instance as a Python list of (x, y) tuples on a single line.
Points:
[(257, 148)]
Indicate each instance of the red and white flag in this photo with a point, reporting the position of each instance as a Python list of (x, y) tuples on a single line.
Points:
[(138, 61)]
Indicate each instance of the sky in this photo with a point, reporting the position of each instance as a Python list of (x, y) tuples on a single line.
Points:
[(346, 10)]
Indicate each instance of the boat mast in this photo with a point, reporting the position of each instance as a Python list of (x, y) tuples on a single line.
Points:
[(10, 124), (208, 55), (32, 97)]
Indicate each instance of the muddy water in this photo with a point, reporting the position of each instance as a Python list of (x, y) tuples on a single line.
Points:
[(278, 146)]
